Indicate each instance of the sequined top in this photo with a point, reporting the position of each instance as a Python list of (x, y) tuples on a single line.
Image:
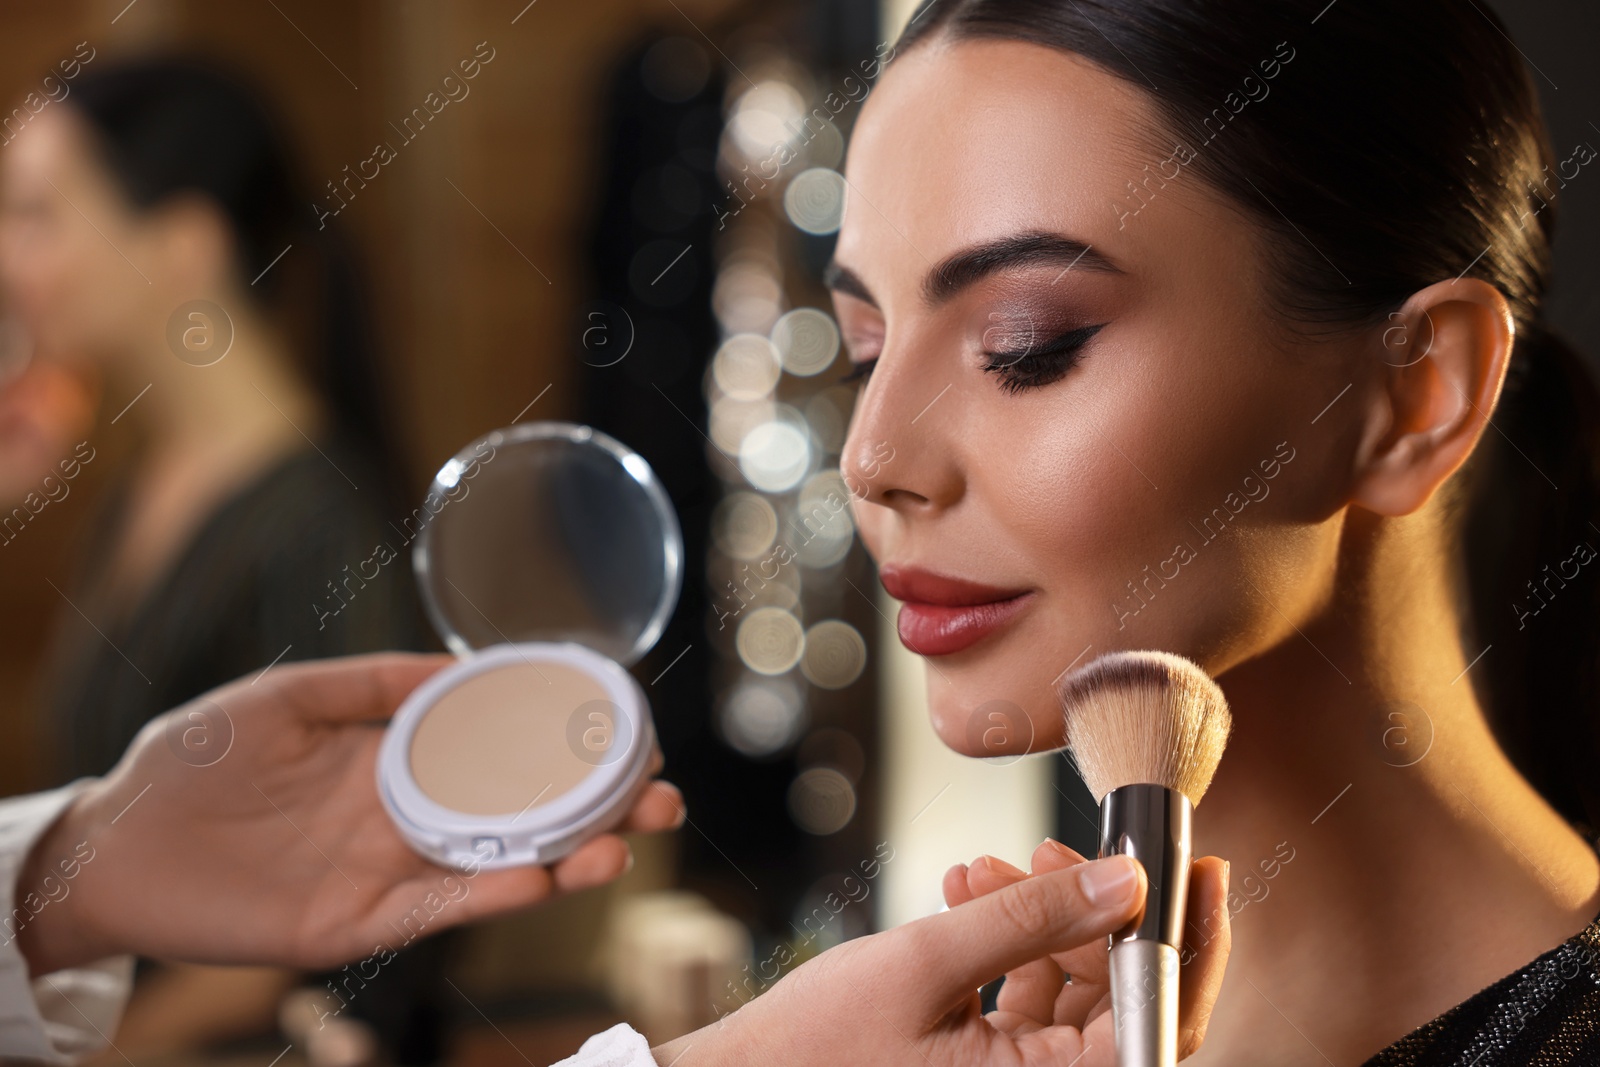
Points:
[(1546, 1013)]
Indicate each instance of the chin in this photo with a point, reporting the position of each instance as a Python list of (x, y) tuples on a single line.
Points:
[(990, 721)]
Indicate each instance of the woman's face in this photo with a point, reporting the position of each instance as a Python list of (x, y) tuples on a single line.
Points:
[(1174, 483), (71, 247)]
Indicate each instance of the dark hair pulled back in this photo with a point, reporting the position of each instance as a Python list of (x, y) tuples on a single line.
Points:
[(168, 126), (1397, 145)]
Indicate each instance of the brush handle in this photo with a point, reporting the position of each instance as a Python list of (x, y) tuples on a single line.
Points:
[(1144, 1003), (1153, 824)]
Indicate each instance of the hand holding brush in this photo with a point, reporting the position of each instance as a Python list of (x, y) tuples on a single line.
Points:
[(1146, 730), (1039, 995)]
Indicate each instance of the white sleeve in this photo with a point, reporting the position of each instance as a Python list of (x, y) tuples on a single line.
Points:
[(620, 1046), (57, 1018)]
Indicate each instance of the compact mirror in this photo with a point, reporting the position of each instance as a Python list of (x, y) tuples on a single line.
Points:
[(549, 531), (549, 559)]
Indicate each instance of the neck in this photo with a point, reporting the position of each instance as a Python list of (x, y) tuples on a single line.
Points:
[(249, 404), (1369, 815)]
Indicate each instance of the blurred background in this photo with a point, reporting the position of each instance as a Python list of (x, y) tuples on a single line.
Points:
[(265, 265)]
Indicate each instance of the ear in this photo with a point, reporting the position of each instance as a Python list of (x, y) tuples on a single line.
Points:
[(1442, 359), (194, 245)]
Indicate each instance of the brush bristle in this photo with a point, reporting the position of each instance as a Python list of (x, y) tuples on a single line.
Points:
[(1145, 717)]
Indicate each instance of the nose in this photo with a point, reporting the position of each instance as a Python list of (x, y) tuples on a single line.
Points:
[(899, 452)]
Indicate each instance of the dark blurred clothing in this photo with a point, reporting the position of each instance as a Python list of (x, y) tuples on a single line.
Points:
[(280, 569), (284, 569)]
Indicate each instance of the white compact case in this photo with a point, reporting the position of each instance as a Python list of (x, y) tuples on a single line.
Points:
[(549, 558)]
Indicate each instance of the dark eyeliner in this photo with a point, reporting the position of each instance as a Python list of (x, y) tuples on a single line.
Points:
[(859, 371), (1041, 365)]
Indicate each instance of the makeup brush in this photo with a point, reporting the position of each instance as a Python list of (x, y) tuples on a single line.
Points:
[(1146, 730)]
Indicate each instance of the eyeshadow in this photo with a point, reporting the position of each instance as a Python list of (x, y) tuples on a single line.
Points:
[(498, 741)]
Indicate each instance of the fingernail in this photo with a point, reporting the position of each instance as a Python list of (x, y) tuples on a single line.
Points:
[(1108, 883), (1002, 867), (1059, 848), (1227, 869), (628, 866)]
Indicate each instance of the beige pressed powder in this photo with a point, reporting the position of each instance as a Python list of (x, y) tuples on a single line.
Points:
[(498, 742), (517, 754), (550, 561)]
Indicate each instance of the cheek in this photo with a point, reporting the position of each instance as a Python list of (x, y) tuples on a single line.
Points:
[(56, 274), (1139, 502), (94, 292)]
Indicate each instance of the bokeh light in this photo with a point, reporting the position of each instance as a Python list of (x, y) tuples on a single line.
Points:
[(814, 200), (806, 341), (762, 716), (744, 525), (776, 455), (835, 654), (770, 640), (822, 800), (746, 367), (732, 420), (765, 117)]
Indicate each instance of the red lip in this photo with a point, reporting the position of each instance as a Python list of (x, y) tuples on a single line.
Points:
[(942, 615)]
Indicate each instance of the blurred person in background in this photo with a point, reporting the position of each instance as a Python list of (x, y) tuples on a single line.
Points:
[(154, 242)]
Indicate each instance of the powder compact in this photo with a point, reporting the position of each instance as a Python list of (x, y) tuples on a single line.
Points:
[(549, 560)]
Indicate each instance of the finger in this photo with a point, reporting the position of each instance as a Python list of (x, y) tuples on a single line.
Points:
[(1031, 990), (352, 688), (987, 874), (1087, 964), (1078, 998), (1013, 1024), (659, 807), (1052, 855), (956, 891), (487, 893), (594, 863), (1207, 931), (944, 957), (1052, 1045), (468, 897)]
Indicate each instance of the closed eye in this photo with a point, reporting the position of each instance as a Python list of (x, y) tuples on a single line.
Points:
[(860, 370), (1042, 364)]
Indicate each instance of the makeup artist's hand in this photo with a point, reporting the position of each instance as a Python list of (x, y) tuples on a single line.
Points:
[(1035, 996), (261, 839), (909, 995)]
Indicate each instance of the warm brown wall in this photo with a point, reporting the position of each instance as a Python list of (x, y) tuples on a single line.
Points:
[(472, 331), (36, 36)]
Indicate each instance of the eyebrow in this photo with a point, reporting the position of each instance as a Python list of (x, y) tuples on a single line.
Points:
[(841, 279), (962, 269)]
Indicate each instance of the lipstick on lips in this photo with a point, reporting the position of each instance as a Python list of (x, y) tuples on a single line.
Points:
[(941, 615)]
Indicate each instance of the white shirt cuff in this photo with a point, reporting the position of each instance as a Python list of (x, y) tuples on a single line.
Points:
[(620, 1046), (63, 1017)]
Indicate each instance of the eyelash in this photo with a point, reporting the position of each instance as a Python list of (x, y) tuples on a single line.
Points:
[(1042, 364), (858, 372), (1030, 369)]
